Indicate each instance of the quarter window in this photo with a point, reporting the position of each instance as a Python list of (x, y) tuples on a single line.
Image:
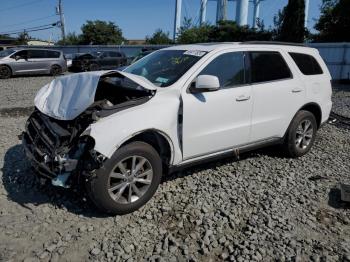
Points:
[(229, 68), (307, 64), (268, 66)]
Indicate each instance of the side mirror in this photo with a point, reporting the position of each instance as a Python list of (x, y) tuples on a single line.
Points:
[(205, 83), (17, 57)]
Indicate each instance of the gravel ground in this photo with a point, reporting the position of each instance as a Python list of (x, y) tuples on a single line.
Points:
[(341, 94), (263, 207)]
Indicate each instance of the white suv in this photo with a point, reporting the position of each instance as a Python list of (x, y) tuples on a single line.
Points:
[(120, 132)]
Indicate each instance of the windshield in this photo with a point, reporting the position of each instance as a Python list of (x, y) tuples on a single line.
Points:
[(165, 67), (6, 52)]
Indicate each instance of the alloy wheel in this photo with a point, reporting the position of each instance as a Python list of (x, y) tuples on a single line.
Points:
[(4, 72), (130, 179), (304, 134)]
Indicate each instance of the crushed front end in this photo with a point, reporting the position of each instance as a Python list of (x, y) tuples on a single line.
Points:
[(57, 150), (55, 138)]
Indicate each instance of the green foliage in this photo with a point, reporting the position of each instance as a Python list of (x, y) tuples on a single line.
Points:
[(334, 22), (289, 23), (224, 31), (195, 34), (71, 39), (22, 38), (159, 38), (101, 33)]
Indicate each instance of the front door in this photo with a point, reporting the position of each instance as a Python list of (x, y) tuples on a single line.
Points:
[(218, 120)]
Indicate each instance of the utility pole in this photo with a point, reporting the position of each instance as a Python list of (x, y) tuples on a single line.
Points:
[(60, 13)]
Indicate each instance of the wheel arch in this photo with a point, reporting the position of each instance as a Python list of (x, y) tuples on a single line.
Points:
[(312, 107), (157, 139), (315, 109), (8, 66)]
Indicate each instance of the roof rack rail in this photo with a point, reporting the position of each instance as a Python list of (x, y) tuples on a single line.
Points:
[(271, 43)]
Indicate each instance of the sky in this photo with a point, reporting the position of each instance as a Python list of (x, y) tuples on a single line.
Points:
[(136, 18)]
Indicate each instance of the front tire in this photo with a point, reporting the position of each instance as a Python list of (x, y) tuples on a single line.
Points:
[(301, 134), (5, 72), (127, 180)]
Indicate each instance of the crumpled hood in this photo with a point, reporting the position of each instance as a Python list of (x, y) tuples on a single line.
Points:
[(68, 96)]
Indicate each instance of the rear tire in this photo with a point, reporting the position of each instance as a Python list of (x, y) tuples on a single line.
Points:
[(301, 134), (56, 70), (5, 72), (127, 180)]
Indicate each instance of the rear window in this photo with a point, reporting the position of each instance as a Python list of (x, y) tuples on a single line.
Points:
[(268, 66), (307, 64)]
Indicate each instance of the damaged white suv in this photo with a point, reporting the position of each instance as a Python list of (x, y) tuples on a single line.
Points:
[(120, 132)]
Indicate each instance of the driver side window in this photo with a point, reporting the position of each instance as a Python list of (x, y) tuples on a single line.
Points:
[(229, 68), (23, 54)]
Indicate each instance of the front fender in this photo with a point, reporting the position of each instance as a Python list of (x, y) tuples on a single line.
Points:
[(160, 114)]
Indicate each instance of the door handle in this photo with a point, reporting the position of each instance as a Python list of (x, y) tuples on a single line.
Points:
[(242, 98), (296, 90)]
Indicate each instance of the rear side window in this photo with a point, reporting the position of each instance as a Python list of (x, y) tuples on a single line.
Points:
[(37, 54), (53, 54), (307, 64), (268, 66), (229, 68)]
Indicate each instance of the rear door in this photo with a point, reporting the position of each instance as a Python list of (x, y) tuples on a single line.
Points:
[(277, 93), (38, 61), (218, 120)]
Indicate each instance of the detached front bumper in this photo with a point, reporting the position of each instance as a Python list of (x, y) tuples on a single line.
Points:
[(36, 158)]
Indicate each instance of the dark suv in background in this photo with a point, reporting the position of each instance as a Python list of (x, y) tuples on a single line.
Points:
[(98, 60)]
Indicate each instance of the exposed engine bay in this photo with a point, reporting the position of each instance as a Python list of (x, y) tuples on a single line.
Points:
[(58, 148)]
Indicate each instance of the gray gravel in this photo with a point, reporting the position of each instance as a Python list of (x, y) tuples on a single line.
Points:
[(264, 207), (341, 94)]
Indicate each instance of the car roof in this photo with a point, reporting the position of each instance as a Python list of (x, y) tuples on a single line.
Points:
[(39, 49), (208, 47)]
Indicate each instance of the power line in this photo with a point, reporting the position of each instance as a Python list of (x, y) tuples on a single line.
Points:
[(19, 6), (30, 29), (30, 21)]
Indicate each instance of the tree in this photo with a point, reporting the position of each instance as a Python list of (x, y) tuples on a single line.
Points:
[(334, 22), (71, 39), (100, 33), (22, 38), (196, 34), (290, 22), (159, 38), (224, 31)]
